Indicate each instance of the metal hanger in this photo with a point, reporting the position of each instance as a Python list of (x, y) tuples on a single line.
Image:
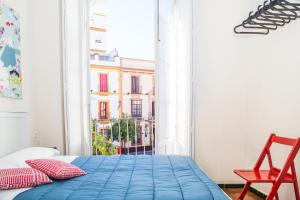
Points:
[(285, 5), (283, 9), (273, 19), (246, 30), (278, 22), (266, 9), (263, 11), (284, 2), (269, 16), (252, 20)]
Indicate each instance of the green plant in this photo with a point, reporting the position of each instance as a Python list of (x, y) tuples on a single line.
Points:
[(122, 126), (101, 146)]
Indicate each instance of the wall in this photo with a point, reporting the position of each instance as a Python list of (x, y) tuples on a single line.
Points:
[(14, 132), (42, 71), (47, 79), (246, 88), (15, 108)]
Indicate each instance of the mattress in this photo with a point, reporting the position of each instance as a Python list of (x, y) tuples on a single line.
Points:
[(131, 178)]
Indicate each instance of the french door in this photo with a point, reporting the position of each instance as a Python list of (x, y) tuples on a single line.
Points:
[(173, 81), (174, 76)]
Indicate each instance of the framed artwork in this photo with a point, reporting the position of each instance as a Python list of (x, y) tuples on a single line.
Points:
[(10, 53)]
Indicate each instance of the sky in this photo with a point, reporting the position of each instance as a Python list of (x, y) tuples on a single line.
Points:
[(130, 26)]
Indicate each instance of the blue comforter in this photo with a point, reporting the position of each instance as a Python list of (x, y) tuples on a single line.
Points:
[(131, 178)]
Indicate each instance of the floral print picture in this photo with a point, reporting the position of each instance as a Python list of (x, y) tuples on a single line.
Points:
[(10, 53)]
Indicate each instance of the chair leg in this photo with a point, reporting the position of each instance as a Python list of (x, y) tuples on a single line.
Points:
[(274, 191), (276, 195), (296, 188), (244, 192)]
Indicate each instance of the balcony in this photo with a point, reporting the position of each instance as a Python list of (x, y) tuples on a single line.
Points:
[(123, 136), (110, 91)]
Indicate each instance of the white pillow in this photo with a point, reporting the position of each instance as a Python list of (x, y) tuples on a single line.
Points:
[(21, 156), (8, 165), (67, 159)]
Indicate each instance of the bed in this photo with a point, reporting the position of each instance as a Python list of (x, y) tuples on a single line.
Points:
[(131, 178)]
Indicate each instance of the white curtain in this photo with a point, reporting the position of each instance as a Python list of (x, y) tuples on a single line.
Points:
[(76, 97), (174, 76)]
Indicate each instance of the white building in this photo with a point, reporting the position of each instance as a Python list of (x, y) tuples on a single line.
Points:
[(119, 86), (138, 87), (104, 73), (98, 32), (105, 91)]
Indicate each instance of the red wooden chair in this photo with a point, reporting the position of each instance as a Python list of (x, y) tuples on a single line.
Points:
[(274, 176)]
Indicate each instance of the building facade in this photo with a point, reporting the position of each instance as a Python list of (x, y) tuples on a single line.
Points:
[(119, 87), (138, 88)]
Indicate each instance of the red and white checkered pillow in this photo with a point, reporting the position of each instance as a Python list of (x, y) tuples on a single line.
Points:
[(56, 169), (22, 178)]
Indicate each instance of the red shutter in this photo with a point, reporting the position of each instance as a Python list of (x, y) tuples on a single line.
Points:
[(103, 83), (104, 111), (100, 82)]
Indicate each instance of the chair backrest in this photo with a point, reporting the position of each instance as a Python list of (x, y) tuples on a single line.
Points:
[(294, 143)]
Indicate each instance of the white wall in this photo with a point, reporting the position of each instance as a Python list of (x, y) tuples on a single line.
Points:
[(42, 71), (246, 88), (47, 79), (14, 132), (14, 107)]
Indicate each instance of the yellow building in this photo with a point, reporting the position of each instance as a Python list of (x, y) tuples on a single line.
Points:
[(118, 85)]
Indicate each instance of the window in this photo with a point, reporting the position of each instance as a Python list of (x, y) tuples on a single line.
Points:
[(136, 108), (93, 57), (135, 84), (103, 83), (103, 110)]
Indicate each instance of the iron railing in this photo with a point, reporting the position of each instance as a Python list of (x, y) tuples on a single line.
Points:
[(124, 136)]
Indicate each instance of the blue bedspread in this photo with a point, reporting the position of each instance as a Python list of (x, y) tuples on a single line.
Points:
[(131, 178)]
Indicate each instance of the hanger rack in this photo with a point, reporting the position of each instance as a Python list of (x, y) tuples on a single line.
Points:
[(269, 16)]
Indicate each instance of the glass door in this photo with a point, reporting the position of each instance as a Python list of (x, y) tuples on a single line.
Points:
[(122, 76), (174, 77)]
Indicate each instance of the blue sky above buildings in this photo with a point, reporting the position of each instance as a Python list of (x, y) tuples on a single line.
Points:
[(130, 25)]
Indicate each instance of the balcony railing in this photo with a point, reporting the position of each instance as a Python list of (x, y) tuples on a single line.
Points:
[(124, 136), (110, 91)]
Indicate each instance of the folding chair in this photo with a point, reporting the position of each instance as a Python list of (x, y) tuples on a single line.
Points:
[(274, 176)]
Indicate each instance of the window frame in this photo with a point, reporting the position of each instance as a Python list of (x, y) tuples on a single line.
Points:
[(107, 110), (137, 88), (136, 109)]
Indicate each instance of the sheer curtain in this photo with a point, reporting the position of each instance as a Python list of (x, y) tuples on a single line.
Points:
[(174, 76), (76, 87)]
